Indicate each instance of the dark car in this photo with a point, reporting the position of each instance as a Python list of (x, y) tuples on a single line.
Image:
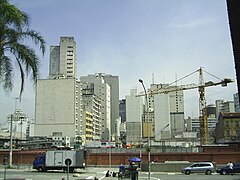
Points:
[(226, 170)]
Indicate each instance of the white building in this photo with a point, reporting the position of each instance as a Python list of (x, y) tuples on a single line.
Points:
[(102, 90), (92, 103), (161, 119), (134, 117), (113, 82), (236, 102), (63, 59), (171, 105), (224, 106), (20, 124), (57, 108)]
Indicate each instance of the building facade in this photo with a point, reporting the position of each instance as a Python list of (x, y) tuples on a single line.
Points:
[(20, 125), (224, 106), (110, 100), (134, 118), (103, 91), (122, 110), (58, 108), (228, 128), (236, 102), (92, 103), (63, 59)]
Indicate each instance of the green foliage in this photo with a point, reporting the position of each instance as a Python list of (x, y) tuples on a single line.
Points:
[(14, 29)]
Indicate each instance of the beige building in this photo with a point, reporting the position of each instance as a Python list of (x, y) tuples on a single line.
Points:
[(92, 103), (103, 91), (57, 108), (228, 128), (63, 59)]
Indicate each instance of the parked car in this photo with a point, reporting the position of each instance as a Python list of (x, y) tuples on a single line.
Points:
[(226, 170), (199, 167)]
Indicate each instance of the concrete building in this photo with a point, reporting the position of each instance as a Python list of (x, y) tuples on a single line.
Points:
[(161, 118), (63, 59), (211, 111), (20, 125), (58, 108), (87, 127), (113, 82), (102, 90), (236, 102), (228, 128), (122, 110), (134, 117), (195, 124), (113, 94), (92, 103), (59, 140), (224, 106), (174, 110)]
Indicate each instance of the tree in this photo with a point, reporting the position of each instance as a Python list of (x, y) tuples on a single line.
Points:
[(14, 32)]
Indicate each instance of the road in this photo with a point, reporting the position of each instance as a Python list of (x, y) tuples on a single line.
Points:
[(99, 173)]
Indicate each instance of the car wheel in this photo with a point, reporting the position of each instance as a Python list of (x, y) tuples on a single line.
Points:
[(224, 172), (208, 172), (187, 172)]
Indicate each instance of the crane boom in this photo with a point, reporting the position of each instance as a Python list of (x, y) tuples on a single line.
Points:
[(202, 101)]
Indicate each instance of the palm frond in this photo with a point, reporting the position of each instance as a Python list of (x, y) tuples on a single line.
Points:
[(22, 77), (6, 73)]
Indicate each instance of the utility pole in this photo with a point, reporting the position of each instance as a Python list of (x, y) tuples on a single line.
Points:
[(147, 120)]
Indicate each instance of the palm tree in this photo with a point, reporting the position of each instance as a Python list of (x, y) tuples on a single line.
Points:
[(14, 30)]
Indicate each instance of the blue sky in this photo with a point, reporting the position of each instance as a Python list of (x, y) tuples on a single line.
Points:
[(164, 39)]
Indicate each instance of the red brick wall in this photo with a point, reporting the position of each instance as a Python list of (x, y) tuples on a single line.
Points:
[(27, 157)]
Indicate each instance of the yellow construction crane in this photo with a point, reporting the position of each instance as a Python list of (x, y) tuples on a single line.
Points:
[(202, 101)]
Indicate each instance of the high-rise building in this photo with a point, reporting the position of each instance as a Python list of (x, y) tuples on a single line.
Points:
[(58, 108), (122, 110), (224, 106), (102, 90), (236, 102), (63, 59), (113, 107), (92, 103), (172, 121), (134, 118)]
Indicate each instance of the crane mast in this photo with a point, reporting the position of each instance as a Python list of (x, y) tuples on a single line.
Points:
[(202, 100), (202, 110)]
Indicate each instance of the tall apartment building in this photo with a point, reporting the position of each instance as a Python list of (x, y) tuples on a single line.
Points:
[(58, 108), (122, 110), (63, 59), (134, 118), (236, 102), (113, 108), (102, 90), (224, 106), (173, 105), (92, 103)]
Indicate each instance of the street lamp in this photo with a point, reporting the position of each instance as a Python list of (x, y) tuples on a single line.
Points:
[(147, 120)]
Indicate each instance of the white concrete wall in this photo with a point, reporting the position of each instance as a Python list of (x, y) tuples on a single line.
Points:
[(134, 112), (162, 115), (55, 107)]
